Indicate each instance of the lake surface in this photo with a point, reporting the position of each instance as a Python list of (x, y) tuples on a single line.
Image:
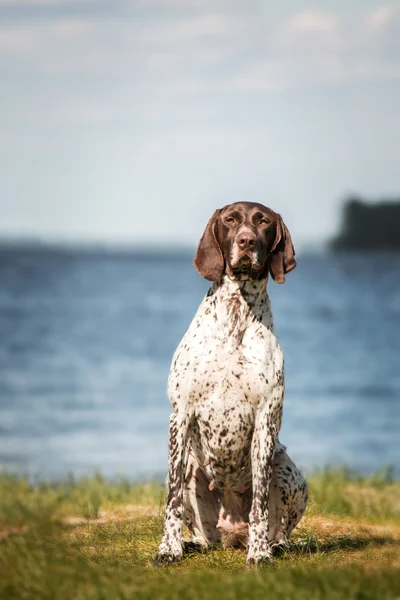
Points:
[(86, 340)]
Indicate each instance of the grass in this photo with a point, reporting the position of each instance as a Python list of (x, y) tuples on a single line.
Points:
[(91, 539)]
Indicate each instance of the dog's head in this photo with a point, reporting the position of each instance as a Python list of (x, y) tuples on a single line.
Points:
[(245, 240)]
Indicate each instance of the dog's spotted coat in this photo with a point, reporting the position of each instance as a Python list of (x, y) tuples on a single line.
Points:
[(230, 479)]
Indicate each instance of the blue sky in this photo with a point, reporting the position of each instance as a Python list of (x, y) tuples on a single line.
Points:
[(129, 121)]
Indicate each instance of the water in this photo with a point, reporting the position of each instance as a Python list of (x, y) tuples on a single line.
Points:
[(86, 341)]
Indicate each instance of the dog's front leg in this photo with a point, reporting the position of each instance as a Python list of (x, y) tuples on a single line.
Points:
[(262, 453), (170, 549)]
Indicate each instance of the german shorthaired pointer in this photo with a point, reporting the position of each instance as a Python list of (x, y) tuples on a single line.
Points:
[(230, 480)]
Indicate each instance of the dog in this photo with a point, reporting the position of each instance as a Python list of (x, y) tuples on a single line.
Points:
[(230, 480)]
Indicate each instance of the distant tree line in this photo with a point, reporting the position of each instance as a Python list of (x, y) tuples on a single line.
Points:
[(369, 226)]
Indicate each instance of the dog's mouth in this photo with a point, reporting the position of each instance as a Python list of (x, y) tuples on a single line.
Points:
[(246, 265)]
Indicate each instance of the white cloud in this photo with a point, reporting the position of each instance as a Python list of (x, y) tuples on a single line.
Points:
[(312, 21), (70, 28), (15, 41), (253, 52), (38, 3), (201, 6), (381, 16), (316, 48)]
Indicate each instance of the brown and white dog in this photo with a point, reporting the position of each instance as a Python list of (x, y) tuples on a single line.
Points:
[(229, 478)]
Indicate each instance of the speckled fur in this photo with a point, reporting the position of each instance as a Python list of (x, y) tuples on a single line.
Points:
[(230, 480)]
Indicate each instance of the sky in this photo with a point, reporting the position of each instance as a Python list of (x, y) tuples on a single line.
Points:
[(130, 121)]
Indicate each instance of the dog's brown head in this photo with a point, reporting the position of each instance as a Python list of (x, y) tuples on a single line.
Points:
[(245, 240)]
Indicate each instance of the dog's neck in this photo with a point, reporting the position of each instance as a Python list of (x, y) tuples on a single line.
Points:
[(249, 291), (238, 304)]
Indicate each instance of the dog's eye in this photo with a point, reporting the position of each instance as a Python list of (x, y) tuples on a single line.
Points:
[(229, 220), (264, 221)]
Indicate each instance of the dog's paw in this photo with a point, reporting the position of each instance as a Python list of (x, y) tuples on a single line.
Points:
[(281, 548), (169, 552), (259, 558), (166, 558), (192, 546)]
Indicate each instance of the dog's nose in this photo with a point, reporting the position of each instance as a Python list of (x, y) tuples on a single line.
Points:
[(246, 241)]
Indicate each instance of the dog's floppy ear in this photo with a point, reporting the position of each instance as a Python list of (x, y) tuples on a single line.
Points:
[(209, 260), (282, 259)]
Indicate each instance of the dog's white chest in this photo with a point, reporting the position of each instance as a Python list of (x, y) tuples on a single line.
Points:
[(226, 369)]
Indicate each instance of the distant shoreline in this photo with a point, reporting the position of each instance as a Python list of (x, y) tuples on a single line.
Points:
[(369, 226)]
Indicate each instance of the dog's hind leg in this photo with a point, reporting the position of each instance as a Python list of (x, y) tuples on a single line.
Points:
[(201, 506), (288, 498)]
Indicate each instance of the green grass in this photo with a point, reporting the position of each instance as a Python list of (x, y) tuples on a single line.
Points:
[(343, 492), (23, 502), (90, 539)]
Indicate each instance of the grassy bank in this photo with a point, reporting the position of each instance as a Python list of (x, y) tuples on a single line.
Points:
[(92, 539)]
